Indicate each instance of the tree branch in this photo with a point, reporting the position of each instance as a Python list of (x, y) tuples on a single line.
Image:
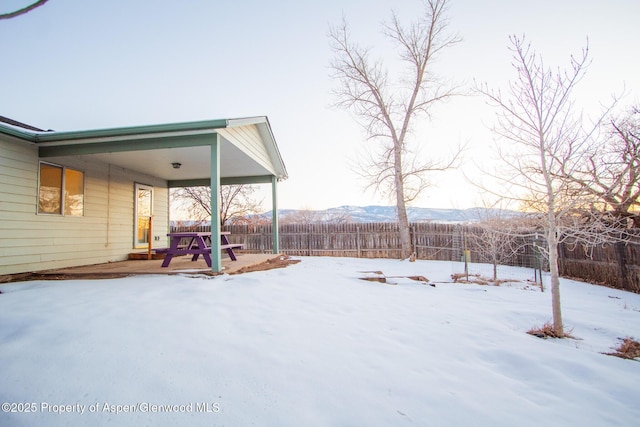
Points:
[(23, 10)]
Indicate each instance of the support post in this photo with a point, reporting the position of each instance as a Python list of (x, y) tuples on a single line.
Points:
[(274, 219), (150, 239), (216, 256)]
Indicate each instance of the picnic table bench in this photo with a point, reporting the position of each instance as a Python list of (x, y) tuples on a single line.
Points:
[(199, 243)]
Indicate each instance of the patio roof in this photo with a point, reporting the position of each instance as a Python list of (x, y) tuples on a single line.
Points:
[(248, 151)]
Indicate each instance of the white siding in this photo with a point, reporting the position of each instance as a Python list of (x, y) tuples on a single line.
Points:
[(247, 139), (32, 242)]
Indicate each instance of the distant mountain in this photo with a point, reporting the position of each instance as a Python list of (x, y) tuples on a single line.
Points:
[(379, 214), (388, 214)]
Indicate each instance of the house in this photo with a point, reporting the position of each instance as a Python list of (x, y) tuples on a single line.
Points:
[(85, 197)]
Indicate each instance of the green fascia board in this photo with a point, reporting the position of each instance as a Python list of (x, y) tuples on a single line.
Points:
[(130, 131), (24, 135), (53, 136), (234, 180), (202, 182), (126, 145)]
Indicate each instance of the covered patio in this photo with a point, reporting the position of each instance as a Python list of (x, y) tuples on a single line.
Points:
[(206, 153)]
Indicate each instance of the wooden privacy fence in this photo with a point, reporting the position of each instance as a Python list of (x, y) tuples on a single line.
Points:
[(614, 265), (431, 241)]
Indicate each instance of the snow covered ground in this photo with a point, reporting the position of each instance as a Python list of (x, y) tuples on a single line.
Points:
[(312, 345)]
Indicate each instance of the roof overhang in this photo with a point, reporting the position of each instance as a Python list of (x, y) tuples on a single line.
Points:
[(248, 150)]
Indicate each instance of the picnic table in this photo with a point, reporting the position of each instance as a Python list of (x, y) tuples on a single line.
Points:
[(199, 243)]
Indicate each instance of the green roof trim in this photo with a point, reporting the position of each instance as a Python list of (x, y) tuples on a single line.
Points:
[(131, 131), (56, 136), (264, 179), (23, 134), (138, 144)]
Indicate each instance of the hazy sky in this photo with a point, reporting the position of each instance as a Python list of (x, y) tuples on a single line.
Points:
[(87, 64)]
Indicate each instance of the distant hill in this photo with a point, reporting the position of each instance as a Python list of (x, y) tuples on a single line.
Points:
[(382, 214), (388, 214)]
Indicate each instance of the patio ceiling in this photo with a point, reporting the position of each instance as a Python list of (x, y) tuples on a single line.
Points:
[(195, 162)]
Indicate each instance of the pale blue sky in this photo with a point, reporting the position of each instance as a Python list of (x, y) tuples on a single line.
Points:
[(85, 64)]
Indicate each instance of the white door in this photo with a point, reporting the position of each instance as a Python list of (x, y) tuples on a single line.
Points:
[(143, 212)]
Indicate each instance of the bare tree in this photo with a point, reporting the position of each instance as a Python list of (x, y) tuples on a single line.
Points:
[(236, 201), (387, 109), (22, 11), (612, 170), (544, 143), (301, 216), (500, 237), (309, 216), (338, 217)]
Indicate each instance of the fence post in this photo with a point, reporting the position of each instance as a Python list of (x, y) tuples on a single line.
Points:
[(622, 262), (537, 260), (455, 244), (413, 241), (358, 241)]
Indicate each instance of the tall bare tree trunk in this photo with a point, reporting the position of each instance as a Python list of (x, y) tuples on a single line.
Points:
[(552, 239), (552, 228), (387, 108), (401, 207)]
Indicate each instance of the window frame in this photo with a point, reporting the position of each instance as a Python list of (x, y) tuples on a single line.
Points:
[(62, 190)]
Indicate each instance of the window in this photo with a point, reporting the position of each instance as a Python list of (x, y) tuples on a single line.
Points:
[(61, 190)]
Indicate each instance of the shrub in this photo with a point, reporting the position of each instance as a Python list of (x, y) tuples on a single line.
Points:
[(628, 349), (546, 331)]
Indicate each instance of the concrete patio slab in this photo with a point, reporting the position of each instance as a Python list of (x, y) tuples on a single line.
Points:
[(179, 265)]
